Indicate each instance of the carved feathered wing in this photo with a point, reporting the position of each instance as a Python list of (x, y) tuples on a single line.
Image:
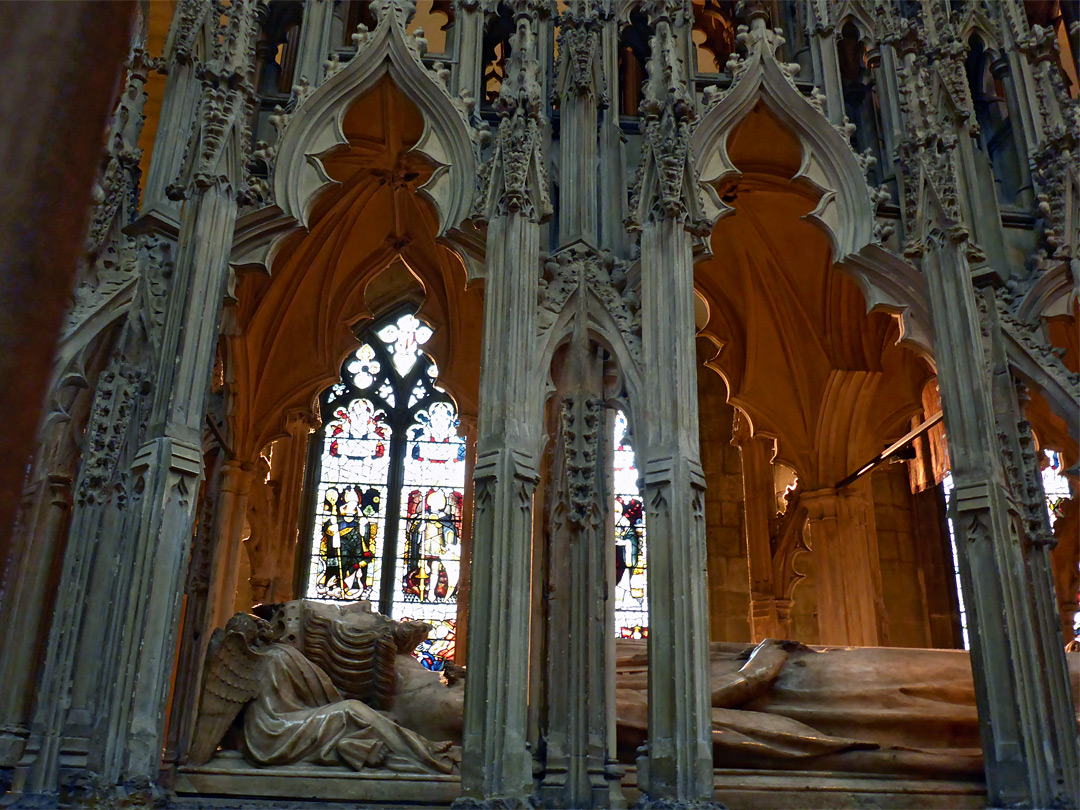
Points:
[(231, 677)]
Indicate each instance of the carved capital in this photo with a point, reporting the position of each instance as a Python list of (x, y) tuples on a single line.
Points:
[(301, 422)]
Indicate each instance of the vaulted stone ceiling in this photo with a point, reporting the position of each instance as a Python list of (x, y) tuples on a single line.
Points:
[(294, 327), (800, 355)]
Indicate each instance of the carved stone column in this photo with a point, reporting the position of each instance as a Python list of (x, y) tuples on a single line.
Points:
[(469, 24), (843, 539), (1017, 672), (577, 769), (612, 175), (289, 473), (759, 498), (496, 763), (314, 40), (677, 765), (167, 468), (27, 601), (1029, 736), (581, 89), (64, 706), (185, 697), (826, 63), (225, 557), (179, 106)]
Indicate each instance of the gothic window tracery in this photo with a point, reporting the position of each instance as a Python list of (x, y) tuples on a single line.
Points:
[(390, 487)]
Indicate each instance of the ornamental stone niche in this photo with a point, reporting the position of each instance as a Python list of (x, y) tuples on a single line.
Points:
[(592, 404)]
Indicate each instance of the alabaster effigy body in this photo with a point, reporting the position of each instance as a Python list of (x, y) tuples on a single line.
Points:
[(337, 685), (315, 684)]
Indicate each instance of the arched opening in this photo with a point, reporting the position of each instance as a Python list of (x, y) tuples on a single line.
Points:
[(861, 103), (498, 30), (631, 546), (634, 53), (368, 260), (387, 485), (820, 388), (713, 34)]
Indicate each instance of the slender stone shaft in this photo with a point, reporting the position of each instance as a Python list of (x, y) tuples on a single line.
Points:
[(179, 106), (229, 519), (843, 538), (496, 762), (759, 497), (289, 473), (580, 85), (678, 766), (168, 467), (1014, 668), (314, 40), (576, 772)]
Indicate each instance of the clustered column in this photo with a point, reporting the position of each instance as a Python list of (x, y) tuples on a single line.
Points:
[(496, 763), (666, 207), (1029, 738)]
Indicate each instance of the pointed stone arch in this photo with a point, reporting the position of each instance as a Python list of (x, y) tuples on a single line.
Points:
[(313, 131), (295, 326), (846, 206)]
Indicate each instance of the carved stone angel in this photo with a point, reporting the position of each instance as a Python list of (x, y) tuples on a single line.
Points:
[(310, 685)]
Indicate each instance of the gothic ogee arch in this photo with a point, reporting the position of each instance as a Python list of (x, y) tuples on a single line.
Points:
[(313, 130), (846, 209)]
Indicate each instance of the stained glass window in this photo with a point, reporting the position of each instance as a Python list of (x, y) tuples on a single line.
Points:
[(1056, 487), (389, 498), (1055, 484), (631, 598)]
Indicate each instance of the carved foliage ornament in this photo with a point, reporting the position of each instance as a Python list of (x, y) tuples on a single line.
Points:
[(666, 186), (581, 417), (580, 70), (514, 179), (219, 151), (601, 275)]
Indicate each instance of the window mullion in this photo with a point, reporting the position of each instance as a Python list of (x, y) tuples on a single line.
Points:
[(399, 420)]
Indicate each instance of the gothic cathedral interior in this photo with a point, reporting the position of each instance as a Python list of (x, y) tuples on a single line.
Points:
[(572, 404)]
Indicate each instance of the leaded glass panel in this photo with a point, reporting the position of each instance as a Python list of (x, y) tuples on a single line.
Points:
[(631, 597), (387, 511)]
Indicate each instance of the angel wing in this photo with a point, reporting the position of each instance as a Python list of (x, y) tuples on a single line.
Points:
[(230, 680)]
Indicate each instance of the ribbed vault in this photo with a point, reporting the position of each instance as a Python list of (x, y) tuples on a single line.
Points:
[(800, 354), (294, 327)]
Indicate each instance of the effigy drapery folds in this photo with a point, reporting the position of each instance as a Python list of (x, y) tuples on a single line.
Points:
[(337, 685)]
